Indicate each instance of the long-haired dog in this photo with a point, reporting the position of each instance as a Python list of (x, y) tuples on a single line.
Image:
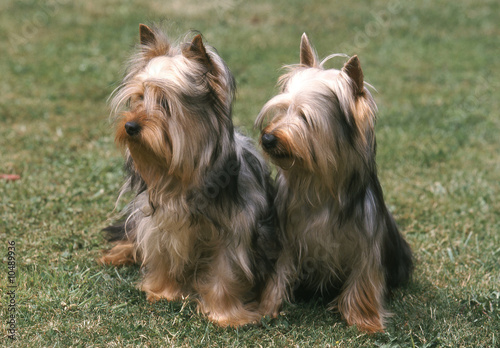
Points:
[(339, 235), (202, 223)]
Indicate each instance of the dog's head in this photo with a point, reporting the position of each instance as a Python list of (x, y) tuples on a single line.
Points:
[(173, 109), (321, 119)]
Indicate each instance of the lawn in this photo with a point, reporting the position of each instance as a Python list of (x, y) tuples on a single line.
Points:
[(436, 71)]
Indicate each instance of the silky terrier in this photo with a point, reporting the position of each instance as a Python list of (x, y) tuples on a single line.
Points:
[(202, 222), (340, 239)]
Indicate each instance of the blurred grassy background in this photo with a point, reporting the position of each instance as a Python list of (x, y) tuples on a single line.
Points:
[(436, 70)]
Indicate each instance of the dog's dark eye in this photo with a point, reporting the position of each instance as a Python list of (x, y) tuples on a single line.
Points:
[(136, 98), (303, 117), (164, 105)]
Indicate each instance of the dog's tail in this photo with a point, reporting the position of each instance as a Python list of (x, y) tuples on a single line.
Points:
[(397, 257), (123, 229), (118, 231)]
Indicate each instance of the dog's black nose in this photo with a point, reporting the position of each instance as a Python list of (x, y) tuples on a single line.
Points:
[(132, 128), (268, 141)]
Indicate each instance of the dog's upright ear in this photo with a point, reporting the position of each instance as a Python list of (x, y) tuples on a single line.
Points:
[(196, 50), (146, 35), (353, 69), (153, 42), (307, 54)]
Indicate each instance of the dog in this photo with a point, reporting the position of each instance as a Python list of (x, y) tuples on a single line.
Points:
[(340, 239), (202, 223)]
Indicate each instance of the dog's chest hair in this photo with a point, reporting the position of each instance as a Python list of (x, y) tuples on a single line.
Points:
[(320, 248), (168, 233)]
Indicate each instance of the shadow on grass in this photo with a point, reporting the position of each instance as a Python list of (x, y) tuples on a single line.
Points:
[(423, 316)]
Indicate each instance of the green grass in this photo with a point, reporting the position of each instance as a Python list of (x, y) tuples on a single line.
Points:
[(436, 70)]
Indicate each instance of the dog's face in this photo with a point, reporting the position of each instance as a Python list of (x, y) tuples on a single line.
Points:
[(153, 122), (174, 99), (307, 121), (319, 118)]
